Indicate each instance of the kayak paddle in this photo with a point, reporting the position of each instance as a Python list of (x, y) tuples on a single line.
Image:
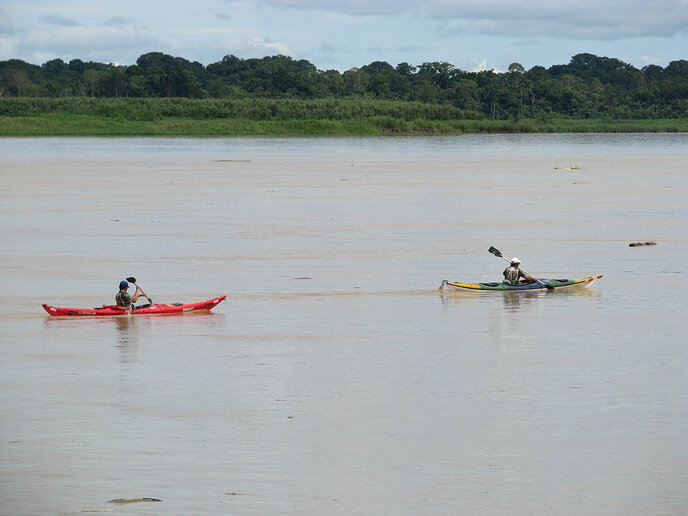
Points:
[(499, 254), (133, 280)]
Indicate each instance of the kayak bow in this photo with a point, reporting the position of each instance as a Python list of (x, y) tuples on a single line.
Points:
[(555, 284), (152, 309)]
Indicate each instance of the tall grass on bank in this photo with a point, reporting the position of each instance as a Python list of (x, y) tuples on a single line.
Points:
[(151, 109), (79, 116), (83, 125)]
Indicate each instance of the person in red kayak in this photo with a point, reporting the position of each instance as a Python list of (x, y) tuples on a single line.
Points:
[(123, 298), (512, 274)]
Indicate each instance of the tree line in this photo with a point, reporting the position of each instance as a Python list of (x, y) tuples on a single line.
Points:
[(589, 86)]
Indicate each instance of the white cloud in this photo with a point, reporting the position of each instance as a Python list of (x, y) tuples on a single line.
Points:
[(482, 67), (350, 7), (345, 33), (6, 49), (583, 19), (221, 15), (6, 26), (262, 45), (647, 60), (56, 19), (116, 21), (86, 43), (603, 20)]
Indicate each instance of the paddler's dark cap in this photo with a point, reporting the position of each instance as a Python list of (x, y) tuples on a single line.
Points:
[(123, 284)]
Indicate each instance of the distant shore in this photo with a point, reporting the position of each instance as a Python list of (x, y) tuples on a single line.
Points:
[(84, 116), (88, 125)]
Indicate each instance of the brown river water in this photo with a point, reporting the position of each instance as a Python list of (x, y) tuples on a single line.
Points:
[(337, 379)]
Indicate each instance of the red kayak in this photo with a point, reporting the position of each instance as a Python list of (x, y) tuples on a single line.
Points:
[(159, 309)]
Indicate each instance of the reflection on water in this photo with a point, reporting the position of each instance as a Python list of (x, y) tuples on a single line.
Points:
[(514, 301), (127, 337), (129, 333)]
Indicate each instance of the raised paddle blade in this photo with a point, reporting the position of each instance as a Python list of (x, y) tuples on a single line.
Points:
[(496, 252), (132, 279)]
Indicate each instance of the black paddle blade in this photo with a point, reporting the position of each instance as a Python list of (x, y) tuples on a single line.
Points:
[(131, 279), (496, 252)]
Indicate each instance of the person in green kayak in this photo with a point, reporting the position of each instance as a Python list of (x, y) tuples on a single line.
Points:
[(513, 275), (123, 298)]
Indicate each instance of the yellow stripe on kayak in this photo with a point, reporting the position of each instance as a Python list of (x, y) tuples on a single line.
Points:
[(584, 280), (465, 285)]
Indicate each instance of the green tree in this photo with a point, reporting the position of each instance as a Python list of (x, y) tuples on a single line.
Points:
[(465, 94), (16, 81), (336, 82), (378, 67), (355, 81), (406, 69), (380, 86), (115, 82), (91, 78), (439, 74), (425, 91)]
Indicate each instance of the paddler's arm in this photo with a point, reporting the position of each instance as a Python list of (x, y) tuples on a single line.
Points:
[(137, 294), (526, 277)]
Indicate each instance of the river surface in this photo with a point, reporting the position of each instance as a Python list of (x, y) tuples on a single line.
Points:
[(337, 379)]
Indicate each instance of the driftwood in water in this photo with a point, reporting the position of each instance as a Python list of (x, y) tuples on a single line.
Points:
[(638, 244), (124, 501)]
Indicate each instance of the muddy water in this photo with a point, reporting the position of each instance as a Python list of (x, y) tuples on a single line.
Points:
[(337, 379)]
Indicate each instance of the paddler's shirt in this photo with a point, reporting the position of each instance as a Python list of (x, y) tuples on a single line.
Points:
[(512, 275), (123, 299)]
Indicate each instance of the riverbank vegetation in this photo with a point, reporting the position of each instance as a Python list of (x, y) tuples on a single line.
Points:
[(61, 124), (162, 94)]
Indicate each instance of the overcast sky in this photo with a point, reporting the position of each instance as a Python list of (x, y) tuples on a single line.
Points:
[(341, 34)]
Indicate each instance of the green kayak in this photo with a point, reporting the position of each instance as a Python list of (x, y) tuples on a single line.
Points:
[(543, 284)]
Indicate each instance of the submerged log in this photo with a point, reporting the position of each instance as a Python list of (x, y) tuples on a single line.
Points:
[(124, 501)]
